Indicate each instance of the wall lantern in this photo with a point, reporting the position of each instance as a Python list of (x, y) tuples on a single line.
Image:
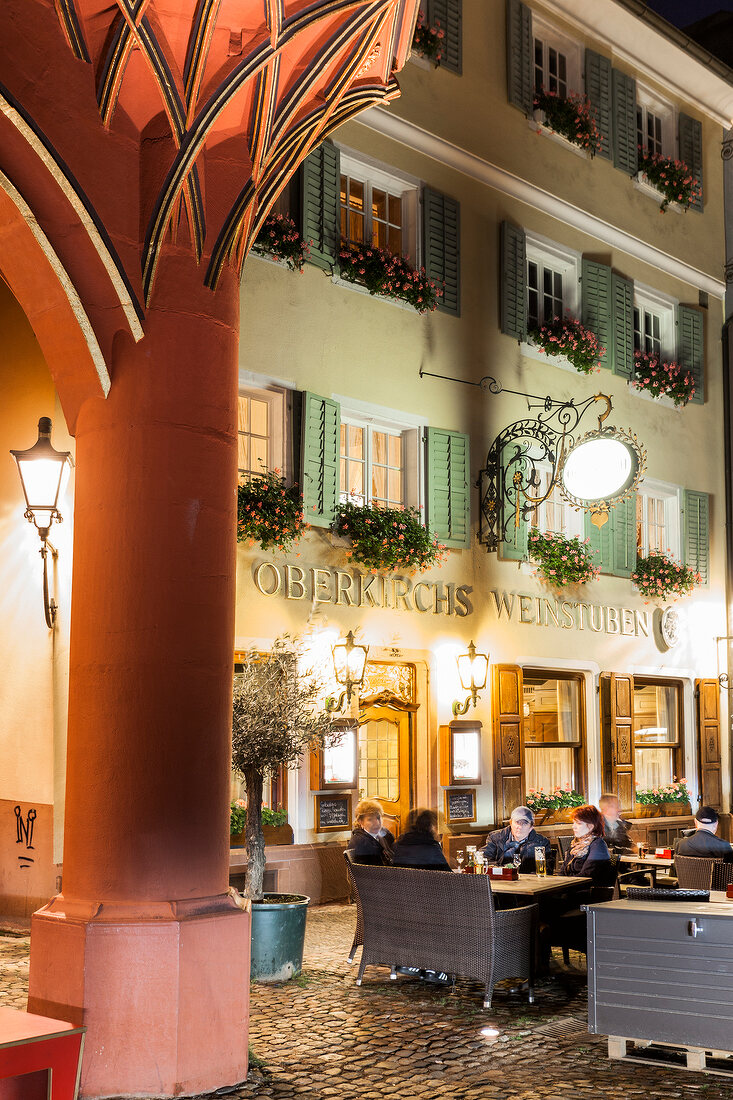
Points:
[(473, 669), (41, 468), (349, 664)]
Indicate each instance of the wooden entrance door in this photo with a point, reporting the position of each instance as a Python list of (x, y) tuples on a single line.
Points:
[(386, 760)]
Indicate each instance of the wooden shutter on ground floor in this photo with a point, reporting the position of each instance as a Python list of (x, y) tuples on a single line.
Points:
[(598, 90), (513, 281), (448, 471), (691, 347), (321, 443), (320, 196), (690, 135), (449, 14), (442, 247), (506, 708), (617, 737), (519, 55), (707, 693)]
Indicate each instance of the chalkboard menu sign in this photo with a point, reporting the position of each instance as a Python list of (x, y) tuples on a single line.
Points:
[(460, 805), (333, 811)]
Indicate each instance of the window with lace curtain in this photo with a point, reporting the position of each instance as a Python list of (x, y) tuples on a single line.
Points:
[(657, 725), (553, 730)]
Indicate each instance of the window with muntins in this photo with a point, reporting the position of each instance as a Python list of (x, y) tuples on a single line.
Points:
[(647, 330), (376, 208), (654, 327), (657, 728), (649, 130), (544, 292), (371, 465), (550, 68), (552, 710), (657, 519), (554, 515), (260, 429)]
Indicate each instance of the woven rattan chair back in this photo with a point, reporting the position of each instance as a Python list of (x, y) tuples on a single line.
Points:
[(694, 872), (359, 930), (722, 874), (435, 920), (563, 844)]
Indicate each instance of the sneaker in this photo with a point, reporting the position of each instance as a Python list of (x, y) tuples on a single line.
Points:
[(413, 970), (435, 976)]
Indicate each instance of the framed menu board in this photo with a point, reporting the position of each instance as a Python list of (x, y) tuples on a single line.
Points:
[(460, 805), (333, 812)]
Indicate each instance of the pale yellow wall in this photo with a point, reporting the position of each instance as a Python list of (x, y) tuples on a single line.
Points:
[(33, 661)]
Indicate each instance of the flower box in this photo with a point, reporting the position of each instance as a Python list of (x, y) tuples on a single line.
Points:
[(555, 817), (663, 809), (566, 337), (574, 117), (671, 178), (659, 577)]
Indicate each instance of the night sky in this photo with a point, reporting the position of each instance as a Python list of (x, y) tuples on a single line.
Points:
[(684, 12)]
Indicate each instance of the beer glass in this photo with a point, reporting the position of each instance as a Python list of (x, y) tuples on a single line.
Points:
[(540, 862)]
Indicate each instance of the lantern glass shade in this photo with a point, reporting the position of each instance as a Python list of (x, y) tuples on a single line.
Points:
[(473, 669), (42, 468), (349, 661), (599, 468)]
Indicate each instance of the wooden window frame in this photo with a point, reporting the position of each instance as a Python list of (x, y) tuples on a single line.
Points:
[(678, 755), (581, 751)]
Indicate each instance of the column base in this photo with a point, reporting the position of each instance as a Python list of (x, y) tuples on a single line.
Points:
[(163, 990)]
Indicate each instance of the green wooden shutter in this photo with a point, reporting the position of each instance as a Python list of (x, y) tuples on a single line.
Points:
[(442, 247), (519, 56), (448, 486), (624, 536), (514, 543), (625, 155), (601, 542), (622, 296), (690, 135), (513, 281), (598, 90), (595, 285), (320, 204), (449, 13), (696, 525), (321, 445), (691, 347)]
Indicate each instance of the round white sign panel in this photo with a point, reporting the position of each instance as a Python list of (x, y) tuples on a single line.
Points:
[(597, 469)]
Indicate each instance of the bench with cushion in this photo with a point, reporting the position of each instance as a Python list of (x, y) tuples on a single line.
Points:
[(438, 921)]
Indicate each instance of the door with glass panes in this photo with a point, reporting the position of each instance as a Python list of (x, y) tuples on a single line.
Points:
[(386, 759)]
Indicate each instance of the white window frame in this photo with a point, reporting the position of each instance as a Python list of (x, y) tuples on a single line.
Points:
[(277, 399), (548, 253), (575, 519), (411, 429), (374, 174), (672, 497), (653, 301), (551, 37), (665, 112)]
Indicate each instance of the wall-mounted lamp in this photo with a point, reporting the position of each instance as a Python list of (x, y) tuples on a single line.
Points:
[(349, 664), (473, 669), (41, 468)]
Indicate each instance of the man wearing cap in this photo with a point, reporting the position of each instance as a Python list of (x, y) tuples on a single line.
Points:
[(704, 842), (515, 845)]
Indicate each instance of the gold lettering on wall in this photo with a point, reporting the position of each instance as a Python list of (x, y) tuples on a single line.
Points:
[(570, 615)]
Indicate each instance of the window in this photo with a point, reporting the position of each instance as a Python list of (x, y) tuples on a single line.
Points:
[(653, 322), (556, 60), (657, 519), (555, 514), (552, 281), (647, 330), (655, 123), (379, 460), (376, 208), (657, 724), (553, 730), (260, 427), (648, 130)]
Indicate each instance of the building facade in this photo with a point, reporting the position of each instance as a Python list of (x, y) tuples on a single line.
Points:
[(592, 687)]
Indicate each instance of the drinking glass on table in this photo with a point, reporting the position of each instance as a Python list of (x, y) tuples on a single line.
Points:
[(460, 858), (540, 862)]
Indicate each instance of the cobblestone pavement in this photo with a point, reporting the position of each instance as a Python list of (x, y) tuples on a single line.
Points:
[(322, 1036)]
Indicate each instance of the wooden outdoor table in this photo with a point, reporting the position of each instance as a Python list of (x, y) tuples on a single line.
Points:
[(651, 863), (536, 884)]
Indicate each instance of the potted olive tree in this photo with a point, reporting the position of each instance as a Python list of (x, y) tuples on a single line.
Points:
[(277, 714)]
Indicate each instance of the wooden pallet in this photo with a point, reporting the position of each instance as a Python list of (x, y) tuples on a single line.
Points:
[(671, 1055)]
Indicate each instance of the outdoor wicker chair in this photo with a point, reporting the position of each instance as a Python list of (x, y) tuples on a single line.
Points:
[(563, 846), (435, 920), (701, 873), (359, 931)]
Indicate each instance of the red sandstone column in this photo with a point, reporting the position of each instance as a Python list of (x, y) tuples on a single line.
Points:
[(144, 946)]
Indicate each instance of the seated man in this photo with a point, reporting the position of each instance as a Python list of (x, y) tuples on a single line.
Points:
[(515, 844), (615, 829), (705, 842)]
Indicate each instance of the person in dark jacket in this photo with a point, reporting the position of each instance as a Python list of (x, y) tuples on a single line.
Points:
[(370, 842), (515, 845), (419, 846), (615, 829), (588, 853), (704, 842)]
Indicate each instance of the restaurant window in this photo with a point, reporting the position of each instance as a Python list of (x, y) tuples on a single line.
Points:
[(274, 787), (260, 431), (657, 726), (552, 707), (377, 209)]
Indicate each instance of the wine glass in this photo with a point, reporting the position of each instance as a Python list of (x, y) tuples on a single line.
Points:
[(460, 858)]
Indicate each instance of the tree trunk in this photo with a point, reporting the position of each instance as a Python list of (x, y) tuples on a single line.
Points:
[(254, 839)]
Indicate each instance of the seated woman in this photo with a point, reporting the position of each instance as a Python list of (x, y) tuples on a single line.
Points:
[(370, 842), (588, 853), (515, 845), (419, 846)]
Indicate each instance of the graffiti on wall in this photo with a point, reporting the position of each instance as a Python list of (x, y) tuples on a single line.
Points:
[(24, 834)]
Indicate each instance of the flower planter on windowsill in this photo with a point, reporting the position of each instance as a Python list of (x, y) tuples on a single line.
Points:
[(663, 809), (554, 817), (274, 834)]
